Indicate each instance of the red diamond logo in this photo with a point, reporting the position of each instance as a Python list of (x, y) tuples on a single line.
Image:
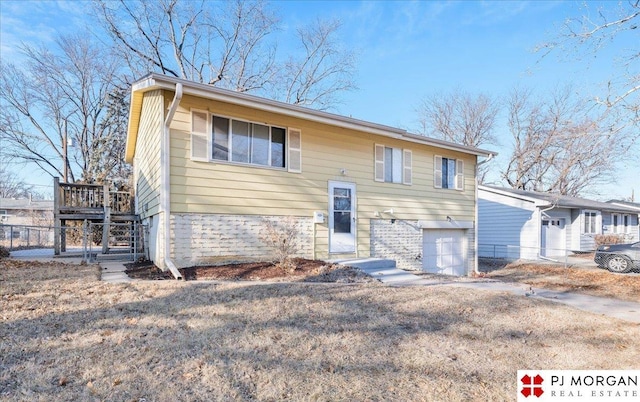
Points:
[(532, 386)]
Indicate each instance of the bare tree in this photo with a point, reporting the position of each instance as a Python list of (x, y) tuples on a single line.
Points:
[(106, 162), (54, 106), (320, 71), (586, 36), (557, 145), (194, 40), (459, 117), (228, 44), (11, 186)]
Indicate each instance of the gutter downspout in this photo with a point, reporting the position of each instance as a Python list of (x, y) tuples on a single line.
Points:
[(475, 237), (165, 202)]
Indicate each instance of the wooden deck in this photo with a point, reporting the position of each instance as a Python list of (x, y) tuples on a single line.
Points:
[(89, 202), (92, 199)]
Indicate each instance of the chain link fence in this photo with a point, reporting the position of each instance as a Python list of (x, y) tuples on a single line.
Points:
[(123, 241), (126, 240), (18, 237), (513, 253)]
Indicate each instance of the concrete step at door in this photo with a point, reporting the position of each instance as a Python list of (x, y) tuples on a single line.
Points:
[(367, 263), (382, 269)]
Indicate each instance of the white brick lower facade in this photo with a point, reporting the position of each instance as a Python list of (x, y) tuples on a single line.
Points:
[(210, 239), (400, 241), (201, 239)]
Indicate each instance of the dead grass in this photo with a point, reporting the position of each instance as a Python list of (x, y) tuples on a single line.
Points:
[(66, 336), (592, 281)]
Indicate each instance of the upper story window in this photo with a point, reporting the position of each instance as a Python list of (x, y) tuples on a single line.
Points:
[(217, 138), (590, 222), (393, 165), (448, 173)]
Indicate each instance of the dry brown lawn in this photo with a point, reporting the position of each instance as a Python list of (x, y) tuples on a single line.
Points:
[(591, 281), (64, 335)]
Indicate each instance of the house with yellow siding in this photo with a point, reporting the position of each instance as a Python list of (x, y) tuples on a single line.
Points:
[(211, 166)]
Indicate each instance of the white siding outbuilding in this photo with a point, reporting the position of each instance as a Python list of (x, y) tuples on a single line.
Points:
[(516, 224)]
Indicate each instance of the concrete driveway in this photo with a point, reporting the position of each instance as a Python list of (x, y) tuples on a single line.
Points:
[(392, 276)]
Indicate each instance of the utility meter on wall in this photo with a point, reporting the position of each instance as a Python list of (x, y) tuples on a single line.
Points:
[(318, 217)]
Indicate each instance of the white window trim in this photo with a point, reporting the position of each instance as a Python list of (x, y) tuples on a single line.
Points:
[(380, 162), (209, 136), (292, 152), (598, 217), (629, 225), (437, 173), (621, 228), (615, 226), (407, 167), (206, 136)]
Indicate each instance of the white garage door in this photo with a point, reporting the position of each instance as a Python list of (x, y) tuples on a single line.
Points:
[(553, 238), (443, 251)]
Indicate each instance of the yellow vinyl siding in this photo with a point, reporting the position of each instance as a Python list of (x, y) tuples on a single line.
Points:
[(219, 187), (226, 188), (147, 157)]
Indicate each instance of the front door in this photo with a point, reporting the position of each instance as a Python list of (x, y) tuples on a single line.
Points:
[(342, 217)]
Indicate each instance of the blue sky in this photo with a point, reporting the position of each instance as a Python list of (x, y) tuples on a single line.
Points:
[(408, 50)]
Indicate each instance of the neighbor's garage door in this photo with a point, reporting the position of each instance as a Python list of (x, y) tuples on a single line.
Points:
[(443, 251)]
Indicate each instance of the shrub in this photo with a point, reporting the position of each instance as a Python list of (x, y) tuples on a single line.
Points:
[(282, 238), (608, 239), (4, 252)]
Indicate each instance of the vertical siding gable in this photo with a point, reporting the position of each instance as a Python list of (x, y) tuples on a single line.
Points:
[(147, 153)]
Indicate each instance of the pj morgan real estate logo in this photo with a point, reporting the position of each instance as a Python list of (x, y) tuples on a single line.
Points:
[(578, 385)]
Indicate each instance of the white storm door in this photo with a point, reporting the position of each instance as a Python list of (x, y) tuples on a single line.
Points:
[(342, 217)]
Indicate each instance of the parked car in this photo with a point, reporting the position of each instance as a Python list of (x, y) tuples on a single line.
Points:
[(619, 258)]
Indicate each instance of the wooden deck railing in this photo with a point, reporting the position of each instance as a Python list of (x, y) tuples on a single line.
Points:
[(91, 197), (121, 202)]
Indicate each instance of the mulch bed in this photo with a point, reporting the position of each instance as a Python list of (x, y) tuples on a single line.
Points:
[(306, 271), (146, 270)]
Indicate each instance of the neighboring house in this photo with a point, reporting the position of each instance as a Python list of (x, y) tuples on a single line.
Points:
[(17, 214), (211, 166), (627, 204), (527, 224)]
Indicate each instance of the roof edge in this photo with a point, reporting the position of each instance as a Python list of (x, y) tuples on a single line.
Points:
[(158, 81), (580, 203), (507, 193)]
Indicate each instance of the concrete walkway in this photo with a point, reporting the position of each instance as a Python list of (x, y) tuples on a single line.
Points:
[(387, 273), (114, 272), (111, 271)]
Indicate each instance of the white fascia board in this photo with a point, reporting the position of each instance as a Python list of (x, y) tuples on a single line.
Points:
[(155, 81), (625, 205), (537, 202)]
